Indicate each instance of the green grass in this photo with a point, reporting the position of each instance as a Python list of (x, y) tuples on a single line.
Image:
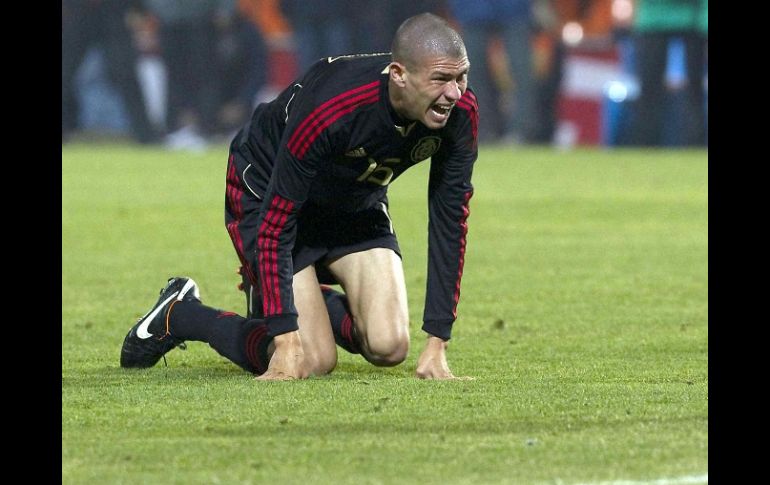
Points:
[(583, 318)]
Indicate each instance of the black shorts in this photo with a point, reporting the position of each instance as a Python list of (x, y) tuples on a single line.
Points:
[(323, 234)]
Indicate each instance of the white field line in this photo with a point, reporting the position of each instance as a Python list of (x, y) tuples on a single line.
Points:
[(686, 480)]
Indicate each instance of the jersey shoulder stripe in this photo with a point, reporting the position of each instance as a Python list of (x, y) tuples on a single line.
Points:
[(342, 109), (469, 104), (329, 112), (469, 96)]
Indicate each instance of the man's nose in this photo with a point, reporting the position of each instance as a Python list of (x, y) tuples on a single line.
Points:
[(452, 91)]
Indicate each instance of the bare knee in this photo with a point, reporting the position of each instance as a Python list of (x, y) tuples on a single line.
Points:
[(387, 351), (320, 362)]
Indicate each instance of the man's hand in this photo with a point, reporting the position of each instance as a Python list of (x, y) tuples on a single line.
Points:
[(432, 363), (288, 359)]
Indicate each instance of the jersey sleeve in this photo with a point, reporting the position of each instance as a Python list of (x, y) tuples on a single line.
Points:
[(314, 127), (449, 193)]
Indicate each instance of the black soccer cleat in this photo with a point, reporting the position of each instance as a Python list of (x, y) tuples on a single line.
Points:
[(149, 339)]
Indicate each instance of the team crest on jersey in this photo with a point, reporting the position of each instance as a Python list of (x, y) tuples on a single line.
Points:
[(425, 148)]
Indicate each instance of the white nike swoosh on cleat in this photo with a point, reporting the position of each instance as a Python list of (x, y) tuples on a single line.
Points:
[(190, 285), (141, 330)]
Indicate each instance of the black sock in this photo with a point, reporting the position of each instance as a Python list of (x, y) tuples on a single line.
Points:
[(342, 320), (238, 339)]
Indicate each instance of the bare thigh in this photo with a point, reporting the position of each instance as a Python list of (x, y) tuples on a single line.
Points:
[(373, 281)]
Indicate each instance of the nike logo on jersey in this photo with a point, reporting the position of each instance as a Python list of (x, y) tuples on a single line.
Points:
[(358, 152), (142, 330)]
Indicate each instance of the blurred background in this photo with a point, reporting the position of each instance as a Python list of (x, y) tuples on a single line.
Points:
[(183, 74)]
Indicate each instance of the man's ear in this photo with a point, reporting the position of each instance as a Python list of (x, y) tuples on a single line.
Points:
[(397, 73)]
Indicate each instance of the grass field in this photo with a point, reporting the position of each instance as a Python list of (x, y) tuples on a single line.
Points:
[(583, 318)]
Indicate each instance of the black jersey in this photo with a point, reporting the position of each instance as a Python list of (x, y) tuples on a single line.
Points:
[(333, 139)]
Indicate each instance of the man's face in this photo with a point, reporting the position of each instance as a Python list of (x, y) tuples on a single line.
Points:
[(433, 87)]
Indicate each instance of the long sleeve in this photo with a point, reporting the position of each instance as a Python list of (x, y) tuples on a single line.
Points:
[(316, 129), (449, 193), (277, 229), (302, 146)]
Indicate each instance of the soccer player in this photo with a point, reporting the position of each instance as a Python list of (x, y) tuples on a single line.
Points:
[(306, 205)]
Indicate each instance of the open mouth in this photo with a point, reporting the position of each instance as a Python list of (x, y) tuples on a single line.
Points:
[(442, 110)]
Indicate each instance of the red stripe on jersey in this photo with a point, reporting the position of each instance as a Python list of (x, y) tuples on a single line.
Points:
[(234, 191), (234, 194), (471, 97), (265, 245), (468, 103), (464, 232), (262, 258), (235, 236), (318, 112), (360, 100), (267, 242), (285, 208)]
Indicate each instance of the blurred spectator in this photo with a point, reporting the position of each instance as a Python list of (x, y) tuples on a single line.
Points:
[(242, 52), (280, 63), (343, 27), (189, 34), (151, 69), (370, 25), (319, 32), (595, 21), (374, 22), (510, 23), (106, 24), (656, 24)]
